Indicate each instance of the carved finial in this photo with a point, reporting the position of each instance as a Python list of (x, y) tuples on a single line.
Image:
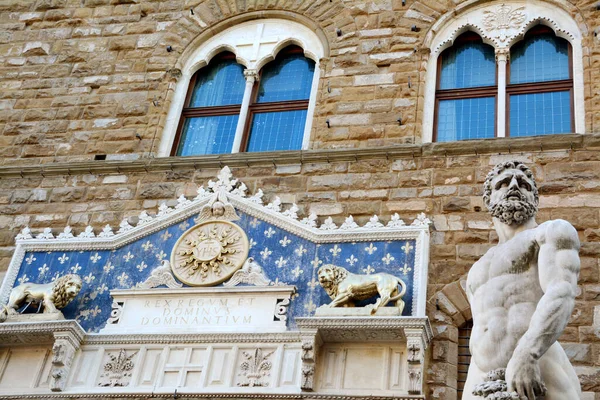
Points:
[(275, 205), (25, 234), (106, 232), (349, 224), (328, 225), (46, 234), (311, 220), (421, 220), (292, 212), (67, 233), (88, 233), (124, 226), (395, 222), (374, 223), (144, 218), (182, 202), (257, 197)]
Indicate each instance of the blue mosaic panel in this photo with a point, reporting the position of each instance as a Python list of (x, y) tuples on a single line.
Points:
[(285, 257)]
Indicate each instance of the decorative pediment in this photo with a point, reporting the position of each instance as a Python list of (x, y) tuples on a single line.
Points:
[(283, 248)]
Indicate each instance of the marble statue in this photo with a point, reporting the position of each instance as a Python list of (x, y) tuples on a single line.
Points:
[(522, 293), (52, 296), (345, 287)]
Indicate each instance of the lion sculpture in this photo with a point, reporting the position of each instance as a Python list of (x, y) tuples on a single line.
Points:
[(52, 296), (345, 287)]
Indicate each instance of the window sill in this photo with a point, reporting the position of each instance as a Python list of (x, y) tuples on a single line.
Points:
[(465, 147)]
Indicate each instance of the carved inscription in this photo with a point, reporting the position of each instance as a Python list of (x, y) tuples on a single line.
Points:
[(195, 311)]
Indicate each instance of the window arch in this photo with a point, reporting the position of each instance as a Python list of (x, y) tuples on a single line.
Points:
[(263, 51), (536, 34)]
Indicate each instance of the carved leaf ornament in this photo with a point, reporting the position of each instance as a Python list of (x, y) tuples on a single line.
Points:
[(256, 366)]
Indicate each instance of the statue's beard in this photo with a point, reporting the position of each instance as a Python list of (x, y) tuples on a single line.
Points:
[(513, 212)]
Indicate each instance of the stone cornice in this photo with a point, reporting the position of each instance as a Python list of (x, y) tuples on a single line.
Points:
[(40, 332), (181, 395), (486, 146)]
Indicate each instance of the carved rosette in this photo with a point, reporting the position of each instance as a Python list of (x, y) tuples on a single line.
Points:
[(209, 253)]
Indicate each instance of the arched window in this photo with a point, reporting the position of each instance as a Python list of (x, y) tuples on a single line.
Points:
[(210, 116), (504, 69), (466, 94), (278, 114), (248, 87), (540, 85)]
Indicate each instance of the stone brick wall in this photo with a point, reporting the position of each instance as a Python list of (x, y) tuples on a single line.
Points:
[(86, 77), (444, 181)]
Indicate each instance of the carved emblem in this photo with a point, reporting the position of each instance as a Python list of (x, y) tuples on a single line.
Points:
[(256, 366), (209, 253), (161, 275), (117, 371), (504, 17)]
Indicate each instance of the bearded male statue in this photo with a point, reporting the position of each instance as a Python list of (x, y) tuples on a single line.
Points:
[(522, 293)]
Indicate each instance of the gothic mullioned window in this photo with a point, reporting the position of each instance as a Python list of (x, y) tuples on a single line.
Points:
[(537, 85), (499, 69), (248, 88), (274, 119)]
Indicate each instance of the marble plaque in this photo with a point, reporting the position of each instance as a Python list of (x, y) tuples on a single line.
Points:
[(199, 310)]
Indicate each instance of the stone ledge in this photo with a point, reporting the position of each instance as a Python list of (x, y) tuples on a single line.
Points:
[(466, 147)]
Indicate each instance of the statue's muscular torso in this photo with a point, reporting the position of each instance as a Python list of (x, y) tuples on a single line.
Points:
[(505, 290)]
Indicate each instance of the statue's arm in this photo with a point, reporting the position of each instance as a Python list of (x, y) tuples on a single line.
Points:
[(558, 265)]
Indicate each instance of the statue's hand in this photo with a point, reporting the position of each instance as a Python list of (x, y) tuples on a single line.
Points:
[(523, 376)]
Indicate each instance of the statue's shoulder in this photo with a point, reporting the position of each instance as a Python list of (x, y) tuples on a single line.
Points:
[(559, 232)]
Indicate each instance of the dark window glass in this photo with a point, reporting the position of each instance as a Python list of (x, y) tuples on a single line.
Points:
[(539, 58), (286, 78), (219, 84), (281, 130), (468, 64), (464, 356), (540, 113), (208, 135), (470, 118)]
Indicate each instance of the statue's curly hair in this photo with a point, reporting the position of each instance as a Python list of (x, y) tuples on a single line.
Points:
[(59, 290), (498, 169)]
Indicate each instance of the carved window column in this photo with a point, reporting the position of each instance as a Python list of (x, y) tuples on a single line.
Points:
[(251, 76), (501, 60)]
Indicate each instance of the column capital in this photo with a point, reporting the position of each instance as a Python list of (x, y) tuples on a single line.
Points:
[(502, 54), (251, 75)]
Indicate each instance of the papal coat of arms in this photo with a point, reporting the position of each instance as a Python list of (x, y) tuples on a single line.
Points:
[(209, 253)]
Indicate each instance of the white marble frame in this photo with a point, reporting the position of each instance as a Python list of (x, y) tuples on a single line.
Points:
[(419, 232), (296, 33), (469, 16)]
